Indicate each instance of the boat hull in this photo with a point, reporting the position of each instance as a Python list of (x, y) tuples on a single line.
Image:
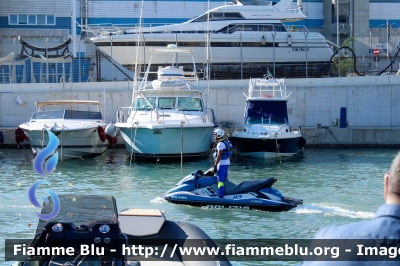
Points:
[(227, 63), (266, 148), (166, 143), (72, 143), (224, 203)]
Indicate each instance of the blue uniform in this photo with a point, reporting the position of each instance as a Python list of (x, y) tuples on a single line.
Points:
[(222, 167), (385, 225)]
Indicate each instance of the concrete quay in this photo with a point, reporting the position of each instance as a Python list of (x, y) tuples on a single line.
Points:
[(352, 137), (371, 102)]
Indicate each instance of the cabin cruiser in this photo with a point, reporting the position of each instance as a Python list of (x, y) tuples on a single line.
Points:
[(200, 189), (92, 232), (167, 118), (78, 125), (245, 38), (266, 132)]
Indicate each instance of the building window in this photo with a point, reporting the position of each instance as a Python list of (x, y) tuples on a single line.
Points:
[(343, 13), (31, 19), (41, 19), (13, 19), (22, 19), (50, 20)]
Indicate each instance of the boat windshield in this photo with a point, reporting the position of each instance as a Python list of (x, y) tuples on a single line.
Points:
[(81, 209), (190, 104), (166, 103), (59, 114), (72, 114), (141, 104), (67, 114), (260, 112)]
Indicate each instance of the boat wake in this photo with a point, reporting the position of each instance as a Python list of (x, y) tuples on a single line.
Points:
[(332, 211), (158, 200)]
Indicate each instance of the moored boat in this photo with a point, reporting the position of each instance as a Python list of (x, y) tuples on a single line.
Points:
[(167, 118), (79, 126), (266, 131)]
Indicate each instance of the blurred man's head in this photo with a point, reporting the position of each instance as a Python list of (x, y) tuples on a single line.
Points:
[(392, 182)]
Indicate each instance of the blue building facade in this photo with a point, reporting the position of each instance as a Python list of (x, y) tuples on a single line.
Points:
[(47, 24)]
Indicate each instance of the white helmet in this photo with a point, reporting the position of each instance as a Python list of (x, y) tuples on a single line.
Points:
[(219, 133)]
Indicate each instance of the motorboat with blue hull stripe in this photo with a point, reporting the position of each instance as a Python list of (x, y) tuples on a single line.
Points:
[(200, 189), (93, 221), (266, 131)]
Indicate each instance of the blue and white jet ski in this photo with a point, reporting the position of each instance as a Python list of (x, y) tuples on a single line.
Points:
[(200, 189)]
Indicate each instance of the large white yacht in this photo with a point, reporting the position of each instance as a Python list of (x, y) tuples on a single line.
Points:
[(246, 38)]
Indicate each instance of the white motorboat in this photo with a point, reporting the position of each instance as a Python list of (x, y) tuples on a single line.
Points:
[(246, 38), (266, 131), (167, 118), (79, 126)]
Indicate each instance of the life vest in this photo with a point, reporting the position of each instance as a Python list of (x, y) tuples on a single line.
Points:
[(227, 152)]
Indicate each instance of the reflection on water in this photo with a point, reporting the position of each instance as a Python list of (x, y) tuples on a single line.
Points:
[(337, 186)]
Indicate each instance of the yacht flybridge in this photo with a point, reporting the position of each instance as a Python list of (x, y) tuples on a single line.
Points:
[(246, 38)]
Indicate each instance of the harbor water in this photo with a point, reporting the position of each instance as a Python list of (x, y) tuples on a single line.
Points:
[(338, 186)]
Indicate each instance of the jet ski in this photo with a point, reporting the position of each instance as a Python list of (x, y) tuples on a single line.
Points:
[(200, 189)]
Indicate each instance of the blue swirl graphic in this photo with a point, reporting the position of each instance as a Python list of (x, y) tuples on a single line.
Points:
[(34, 201), (46, 152)]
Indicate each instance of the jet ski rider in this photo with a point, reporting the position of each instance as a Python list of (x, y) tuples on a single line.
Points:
[(221, 162)]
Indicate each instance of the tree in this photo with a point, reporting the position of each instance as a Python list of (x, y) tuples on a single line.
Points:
[(346, 61)]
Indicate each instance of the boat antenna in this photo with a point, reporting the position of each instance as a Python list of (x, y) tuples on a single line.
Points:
[(207, 72), (135, 78)]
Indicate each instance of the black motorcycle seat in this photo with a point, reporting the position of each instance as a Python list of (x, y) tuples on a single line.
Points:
[(248, 186)]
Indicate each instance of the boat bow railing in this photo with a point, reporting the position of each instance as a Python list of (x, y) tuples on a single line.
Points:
[(267, 88)]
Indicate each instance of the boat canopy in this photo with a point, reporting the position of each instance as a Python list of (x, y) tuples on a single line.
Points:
[(65, 102), (261, 112)]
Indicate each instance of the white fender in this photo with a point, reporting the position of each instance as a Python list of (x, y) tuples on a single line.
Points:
[(111, 130)]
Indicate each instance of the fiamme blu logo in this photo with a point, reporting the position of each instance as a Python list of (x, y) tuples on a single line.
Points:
[(44, 167)]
